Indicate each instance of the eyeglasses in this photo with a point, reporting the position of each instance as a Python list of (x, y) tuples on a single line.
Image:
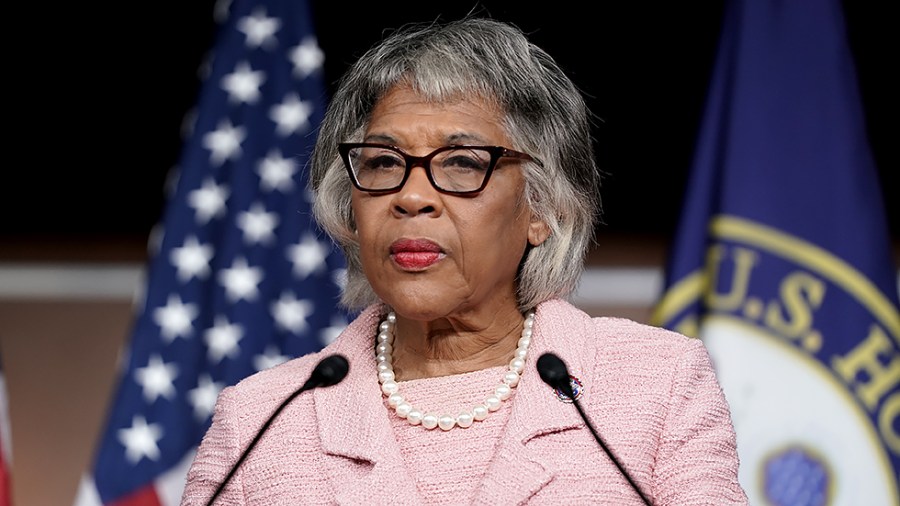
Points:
[(457, 170)]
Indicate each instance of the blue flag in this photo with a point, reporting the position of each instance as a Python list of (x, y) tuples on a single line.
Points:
[(782, 262), (240, 278)]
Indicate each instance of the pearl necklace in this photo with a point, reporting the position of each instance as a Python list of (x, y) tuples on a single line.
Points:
[(405, 410)]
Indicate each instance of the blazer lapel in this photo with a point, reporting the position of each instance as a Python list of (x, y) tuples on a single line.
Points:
[(353, 427), (517, 472)]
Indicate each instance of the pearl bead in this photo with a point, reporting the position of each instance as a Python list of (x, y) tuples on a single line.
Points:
[(390, 387), (403, 409), (429, 421), (386, 375), (414, 417), (394, 399), (446, 422)]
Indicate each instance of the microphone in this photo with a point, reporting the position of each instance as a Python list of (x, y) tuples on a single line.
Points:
[(555, 373), (329, 371)]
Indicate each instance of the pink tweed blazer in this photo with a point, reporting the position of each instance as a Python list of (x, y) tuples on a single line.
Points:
[(651, 394)]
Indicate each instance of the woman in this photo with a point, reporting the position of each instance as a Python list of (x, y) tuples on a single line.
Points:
[(455, 169)]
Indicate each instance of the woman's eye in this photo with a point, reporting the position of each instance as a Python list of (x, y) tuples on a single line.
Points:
[(383, 162), (465, 162)]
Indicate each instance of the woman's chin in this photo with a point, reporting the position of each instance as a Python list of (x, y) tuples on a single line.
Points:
[(422, 307)]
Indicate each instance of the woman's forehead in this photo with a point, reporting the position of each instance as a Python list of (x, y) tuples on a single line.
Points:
[(404, 113)]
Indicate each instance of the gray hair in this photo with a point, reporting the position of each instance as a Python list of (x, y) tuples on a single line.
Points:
[(544, 113)]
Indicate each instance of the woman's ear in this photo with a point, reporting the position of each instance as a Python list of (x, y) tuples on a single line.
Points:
[(538, 232)]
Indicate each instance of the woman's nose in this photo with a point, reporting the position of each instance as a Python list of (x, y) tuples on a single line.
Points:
[(417, 196)]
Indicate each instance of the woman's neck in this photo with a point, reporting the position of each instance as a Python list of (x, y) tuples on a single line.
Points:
[(445, 347)]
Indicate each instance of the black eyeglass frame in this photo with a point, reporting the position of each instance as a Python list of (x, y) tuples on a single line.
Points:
[(496, 152)]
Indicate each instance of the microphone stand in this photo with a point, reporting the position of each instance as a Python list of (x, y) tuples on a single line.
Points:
[(555, 373), (329, 371), (581, 412)]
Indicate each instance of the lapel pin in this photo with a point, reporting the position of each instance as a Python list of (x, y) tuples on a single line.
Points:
[(577, 387)]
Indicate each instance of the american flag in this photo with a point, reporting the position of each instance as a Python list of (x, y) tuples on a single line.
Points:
[(240, 278)]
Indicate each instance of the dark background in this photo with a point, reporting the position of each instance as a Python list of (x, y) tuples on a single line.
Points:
[(107, 90)]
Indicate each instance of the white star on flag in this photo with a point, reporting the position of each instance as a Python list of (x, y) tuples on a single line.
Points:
[(140, 439), (240, 280), (257, 224), (308, 256), (176, 318), (259, 29), (222, 340), (208, 201), (290, 313), (157, 378), (339, 278), (307, 57), (192, 259), (330, 333), (277, 172), (203, 398), (224, 143), (243, 84), (270, 358), (291, 115)]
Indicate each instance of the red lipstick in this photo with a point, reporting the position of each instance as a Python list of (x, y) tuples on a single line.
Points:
[(415, 254)]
